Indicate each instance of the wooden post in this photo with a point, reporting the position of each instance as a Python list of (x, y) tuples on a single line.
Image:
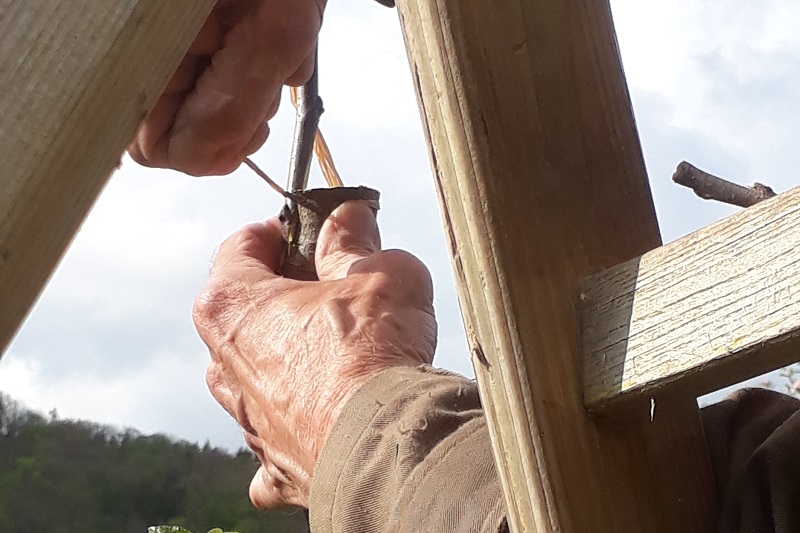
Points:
[(76, 78), (542, 183)]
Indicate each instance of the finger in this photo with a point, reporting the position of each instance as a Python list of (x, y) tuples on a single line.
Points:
[(220, 388), (349, 235), (257, 141), (265, 493), (238, 91), (209, 40), (255, 443), (256, 245), (148, 147), (185, 76), (304, 72), (232, 400), (405, 277)]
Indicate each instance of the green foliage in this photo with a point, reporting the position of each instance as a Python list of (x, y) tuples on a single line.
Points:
[(787, 381), (792, 376), (65, 476), (177, 529)]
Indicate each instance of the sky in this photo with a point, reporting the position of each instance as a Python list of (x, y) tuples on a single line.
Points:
[(713, 82)]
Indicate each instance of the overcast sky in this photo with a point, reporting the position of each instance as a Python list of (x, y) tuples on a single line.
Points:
[(713, 82)]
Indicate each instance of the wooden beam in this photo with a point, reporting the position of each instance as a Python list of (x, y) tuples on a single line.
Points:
[(542, 183), (688, 318), (76, 78)]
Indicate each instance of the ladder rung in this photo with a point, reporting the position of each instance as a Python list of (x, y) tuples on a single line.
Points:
[(687, 316)]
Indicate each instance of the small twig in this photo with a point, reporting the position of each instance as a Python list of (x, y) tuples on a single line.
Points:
[(280, 190), (309, 109), (297, 198), (323, 153), (710, 187)]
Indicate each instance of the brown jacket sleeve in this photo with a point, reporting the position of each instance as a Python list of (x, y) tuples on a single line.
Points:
[(409, 453)]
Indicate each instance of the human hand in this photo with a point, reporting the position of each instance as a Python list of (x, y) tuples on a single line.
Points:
[(215, 109), (287, 355)]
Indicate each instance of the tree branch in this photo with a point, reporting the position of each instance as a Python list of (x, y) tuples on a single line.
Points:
[(710, 187)]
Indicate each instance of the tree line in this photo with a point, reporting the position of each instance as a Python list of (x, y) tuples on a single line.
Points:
[(64, 476)]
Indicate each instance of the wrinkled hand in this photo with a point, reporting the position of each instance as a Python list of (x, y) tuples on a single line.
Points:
[(286, 354), (214, 111)]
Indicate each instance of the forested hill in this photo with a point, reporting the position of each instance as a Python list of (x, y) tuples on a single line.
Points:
[(59, 476)]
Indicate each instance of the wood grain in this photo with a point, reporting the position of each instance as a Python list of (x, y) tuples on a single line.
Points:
[(76, 78), (711, 309), (541, 182)]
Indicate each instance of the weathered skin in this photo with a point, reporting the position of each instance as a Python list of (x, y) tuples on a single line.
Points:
[(286, 355)]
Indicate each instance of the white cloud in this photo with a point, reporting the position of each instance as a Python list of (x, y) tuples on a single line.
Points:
[(728, 71), (652, 49), (132, 242), (364, 71)]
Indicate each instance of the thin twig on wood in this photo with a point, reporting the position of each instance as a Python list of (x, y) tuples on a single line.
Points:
[(710, 187)]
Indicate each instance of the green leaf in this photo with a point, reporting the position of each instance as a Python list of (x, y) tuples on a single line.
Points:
[(178, 529)]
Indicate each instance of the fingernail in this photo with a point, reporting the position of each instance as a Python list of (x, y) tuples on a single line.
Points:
[(357, 220)]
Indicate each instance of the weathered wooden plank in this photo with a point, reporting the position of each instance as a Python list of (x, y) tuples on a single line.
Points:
[(76, 78), (542, 183), (688, 317)]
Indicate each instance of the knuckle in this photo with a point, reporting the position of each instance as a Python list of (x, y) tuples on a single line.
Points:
[(213, 304), (135, 153), (407, 270), (401, 277), (142, 151), (302, 74), (213, 378)]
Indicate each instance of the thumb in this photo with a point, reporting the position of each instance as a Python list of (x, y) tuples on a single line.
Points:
[(349, 235)]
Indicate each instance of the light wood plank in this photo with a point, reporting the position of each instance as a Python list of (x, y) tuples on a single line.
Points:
[(689, 317), (541, 182), (76, 78)]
